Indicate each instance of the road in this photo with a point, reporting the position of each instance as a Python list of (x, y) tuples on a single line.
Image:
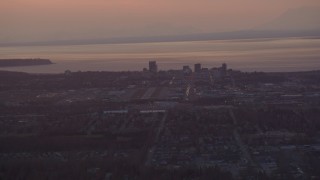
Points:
[(156, 139), (190, 87), (243, 148)]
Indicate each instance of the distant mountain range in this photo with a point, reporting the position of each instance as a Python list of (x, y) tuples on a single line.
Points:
[(301, 22), (300, 19)]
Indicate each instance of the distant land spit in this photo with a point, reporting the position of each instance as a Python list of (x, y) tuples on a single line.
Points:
[(23, 62)]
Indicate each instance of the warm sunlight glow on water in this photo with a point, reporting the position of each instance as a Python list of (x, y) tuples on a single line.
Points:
[(294, 54)]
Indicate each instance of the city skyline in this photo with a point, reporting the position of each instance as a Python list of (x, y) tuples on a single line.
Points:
[(159, 90)]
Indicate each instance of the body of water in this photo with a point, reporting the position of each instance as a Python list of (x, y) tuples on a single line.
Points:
[(270, 55)]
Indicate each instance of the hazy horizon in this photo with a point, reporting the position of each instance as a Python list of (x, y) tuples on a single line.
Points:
[(281, 54), (51, 20)]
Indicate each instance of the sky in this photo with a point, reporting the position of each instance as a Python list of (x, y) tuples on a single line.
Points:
[(47, 20)]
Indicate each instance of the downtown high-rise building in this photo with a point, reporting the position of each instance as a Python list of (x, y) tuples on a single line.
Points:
[(153, 67), (197, 68)]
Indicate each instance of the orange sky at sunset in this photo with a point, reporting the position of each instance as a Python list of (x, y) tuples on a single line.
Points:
[(41, 20)]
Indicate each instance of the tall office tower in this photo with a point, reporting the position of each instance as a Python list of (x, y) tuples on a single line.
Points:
[(197, 68), (186, 70), (224, 69), (153, 66)]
